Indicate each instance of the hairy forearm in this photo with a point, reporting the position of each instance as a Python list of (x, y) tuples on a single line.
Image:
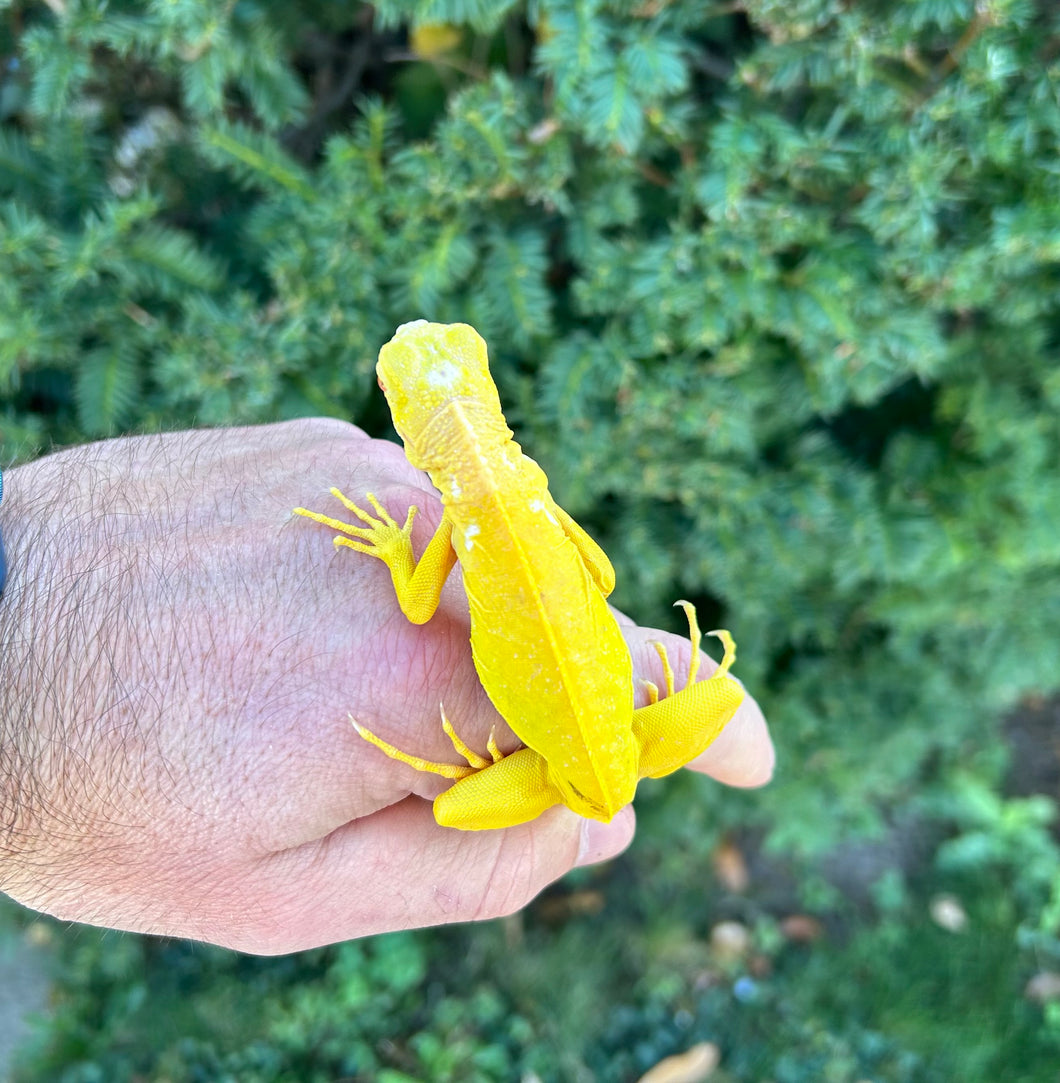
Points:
[(23, 692), (71, 683), (149, 636)]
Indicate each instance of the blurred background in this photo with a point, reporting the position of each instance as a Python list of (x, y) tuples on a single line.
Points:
[(772, 292)]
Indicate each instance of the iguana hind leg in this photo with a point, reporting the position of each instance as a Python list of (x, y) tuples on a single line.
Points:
[(475, 762), (674, 730), (487, 793)]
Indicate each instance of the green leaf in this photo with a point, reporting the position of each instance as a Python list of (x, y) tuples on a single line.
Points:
[(106, 388), (255, 159)]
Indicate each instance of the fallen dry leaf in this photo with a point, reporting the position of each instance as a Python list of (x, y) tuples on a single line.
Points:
[(730, 940), (693, 1066), (559, 908), (948, 913), (801, 928), (434, 39), (1044, 986), (730, 867)]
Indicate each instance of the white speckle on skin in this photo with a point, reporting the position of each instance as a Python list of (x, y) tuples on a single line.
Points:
[(470, 534), (410, 326), (454, 488), (539, 505), (443, 375)]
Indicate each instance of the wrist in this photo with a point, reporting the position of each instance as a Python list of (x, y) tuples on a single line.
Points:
[(51, 671), (20, 658), (3, 561)]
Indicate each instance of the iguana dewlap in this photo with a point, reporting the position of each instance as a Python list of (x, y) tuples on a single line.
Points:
[(546, 646)]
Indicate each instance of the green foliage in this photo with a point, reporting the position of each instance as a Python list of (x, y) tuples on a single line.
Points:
[(771, 291)]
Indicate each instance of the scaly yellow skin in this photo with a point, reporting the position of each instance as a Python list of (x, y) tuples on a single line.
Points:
[(546, 646)]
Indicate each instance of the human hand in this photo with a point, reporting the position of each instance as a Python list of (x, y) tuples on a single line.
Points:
[(180, 658)]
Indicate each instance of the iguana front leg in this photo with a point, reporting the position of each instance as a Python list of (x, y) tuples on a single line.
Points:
[(417, 584), (593, 557)]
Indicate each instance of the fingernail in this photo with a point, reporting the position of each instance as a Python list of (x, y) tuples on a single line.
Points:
[(601, 841)]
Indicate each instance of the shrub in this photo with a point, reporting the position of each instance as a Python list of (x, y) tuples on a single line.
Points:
[(771, 293)]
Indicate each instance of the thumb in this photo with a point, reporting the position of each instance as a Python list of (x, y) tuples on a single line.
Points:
[(397, 869)]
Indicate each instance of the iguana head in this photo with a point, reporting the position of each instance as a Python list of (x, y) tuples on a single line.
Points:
[(428, 370)]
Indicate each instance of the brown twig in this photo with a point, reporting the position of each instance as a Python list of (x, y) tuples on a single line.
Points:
[(952, 59)]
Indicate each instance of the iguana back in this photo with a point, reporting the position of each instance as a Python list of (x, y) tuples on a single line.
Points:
[(548, 650)]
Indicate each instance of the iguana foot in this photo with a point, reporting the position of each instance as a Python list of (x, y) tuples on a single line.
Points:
[(380, 537), (475, 762), (696, 637)]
